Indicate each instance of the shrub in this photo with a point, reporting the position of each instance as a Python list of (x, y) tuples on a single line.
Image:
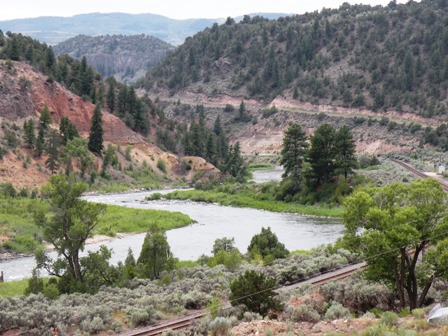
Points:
[(337, 312), (229, 108), (389, 318), (93, 326), (418, 313), (161, 166), (220, 326), (255, 291), (267, 245), (140, 316), (304, 313)]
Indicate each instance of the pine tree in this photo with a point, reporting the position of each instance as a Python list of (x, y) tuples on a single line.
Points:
[(321, 156), (217, 128), (29, 133), (52, 150), (292, 154), (40, 141), (345, 151), (155, 256), (95, 144), (67, 130), (45, 117), (111, 97)]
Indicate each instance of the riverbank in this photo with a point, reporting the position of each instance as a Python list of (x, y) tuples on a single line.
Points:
[(20, 237), (245, 197)]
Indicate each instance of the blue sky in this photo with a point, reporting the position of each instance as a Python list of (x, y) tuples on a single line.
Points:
[(177, 9)]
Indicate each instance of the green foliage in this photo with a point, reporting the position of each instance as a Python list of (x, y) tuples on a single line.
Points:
[(211, 145), (45, 117), (52, 149), (260, 166), (72, 221), (401, 220), (13, 288), (250, 197), (337, 312), (255, 291), (294, 55), (389, 318), (294, 149), (266, 245), (109, 159), (77, 149), (155, 256), (161, 165), (67, 130), (95, 143), (229, 108), (234, 164), (29, 133)]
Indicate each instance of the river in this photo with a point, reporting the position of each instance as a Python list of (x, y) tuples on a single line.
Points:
[(212, 221)]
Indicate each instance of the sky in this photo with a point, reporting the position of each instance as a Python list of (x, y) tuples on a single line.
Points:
[(176, 9)]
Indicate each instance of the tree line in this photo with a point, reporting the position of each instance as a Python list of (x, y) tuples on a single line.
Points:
[(313, 165), (295, 56), (80, 78)]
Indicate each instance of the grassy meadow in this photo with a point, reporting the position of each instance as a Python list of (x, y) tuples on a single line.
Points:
[(21, 235), (249, 197)]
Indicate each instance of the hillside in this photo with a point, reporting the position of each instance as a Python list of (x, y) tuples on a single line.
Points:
[(362, 57), (53, 30), (31, 99), (126, 58)]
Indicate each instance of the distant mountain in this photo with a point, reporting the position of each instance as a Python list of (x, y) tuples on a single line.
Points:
[(126, 58), (53, 30), (379, 58)]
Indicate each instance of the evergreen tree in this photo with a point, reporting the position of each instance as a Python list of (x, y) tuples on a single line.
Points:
[(52, 150), (234, 164), (321, 156), (292, 155), (45, 118), (345, 151), (217, 128), (29, 133), (211, 149), (40, 141), (95, 143), (67, 130), (155, 256), (255, 291), (266, 245), (111, 97)]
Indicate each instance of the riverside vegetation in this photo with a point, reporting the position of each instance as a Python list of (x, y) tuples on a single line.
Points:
[(17, 221)]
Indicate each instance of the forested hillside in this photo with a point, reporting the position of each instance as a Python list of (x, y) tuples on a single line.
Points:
[(380, 58), (79, 78), (124, 57)]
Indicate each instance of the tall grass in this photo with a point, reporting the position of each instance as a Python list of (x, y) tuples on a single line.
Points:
[(261, 166), (120, 219), (13, 288), (17, 222), (250, 199)]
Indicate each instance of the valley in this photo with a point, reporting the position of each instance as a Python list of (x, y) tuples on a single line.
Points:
[(153, 168)]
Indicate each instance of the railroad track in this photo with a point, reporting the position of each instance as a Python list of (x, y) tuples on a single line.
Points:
[(420, 174), (183, 322)]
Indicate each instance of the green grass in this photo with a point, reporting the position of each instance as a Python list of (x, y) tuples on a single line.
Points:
[(248, 198), (17, 222), (13, 288), (261, 166), (121, 219)]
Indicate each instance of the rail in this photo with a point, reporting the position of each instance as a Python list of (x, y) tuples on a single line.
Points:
[(420, 174), (183, 322)]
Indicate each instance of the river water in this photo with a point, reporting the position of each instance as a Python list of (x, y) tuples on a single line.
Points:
[(212, 222)]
